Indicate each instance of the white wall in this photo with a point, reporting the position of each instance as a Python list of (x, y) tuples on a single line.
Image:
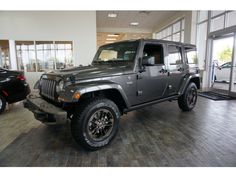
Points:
[(79, 27), (76, 26)]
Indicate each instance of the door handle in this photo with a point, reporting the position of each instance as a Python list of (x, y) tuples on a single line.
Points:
[(181, 69), (139, 76), (163, 71)]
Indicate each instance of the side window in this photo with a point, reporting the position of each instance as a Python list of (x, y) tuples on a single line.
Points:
[(156, 51), (226, 65), (191, 54), (129, 55), (175, 60)]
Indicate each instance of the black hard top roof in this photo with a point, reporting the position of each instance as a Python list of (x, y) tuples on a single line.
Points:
[(156, 40)]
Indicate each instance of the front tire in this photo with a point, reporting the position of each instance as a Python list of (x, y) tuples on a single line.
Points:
[(188, 100), (2, 104), (95, 123)]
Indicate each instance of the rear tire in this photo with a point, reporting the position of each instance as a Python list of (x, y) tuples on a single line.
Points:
[(188, 100), (2, 104), (95, 123)]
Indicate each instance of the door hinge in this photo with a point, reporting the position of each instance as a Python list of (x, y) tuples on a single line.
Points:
[(139, 76), (139, 92)]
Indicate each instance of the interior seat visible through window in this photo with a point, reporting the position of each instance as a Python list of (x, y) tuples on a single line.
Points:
[(156, 51)]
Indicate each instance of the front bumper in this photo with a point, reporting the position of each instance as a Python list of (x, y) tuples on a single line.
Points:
[(44, 111)]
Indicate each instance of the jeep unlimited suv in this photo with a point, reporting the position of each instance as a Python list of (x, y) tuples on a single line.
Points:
[(123, 76)]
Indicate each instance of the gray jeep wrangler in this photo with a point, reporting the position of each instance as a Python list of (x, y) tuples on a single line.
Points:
[(123, 76)]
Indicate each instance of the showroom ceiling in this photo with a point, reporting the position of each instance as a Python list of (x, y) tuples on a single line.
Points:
[(127, 25), (106, 37), (145, 19)]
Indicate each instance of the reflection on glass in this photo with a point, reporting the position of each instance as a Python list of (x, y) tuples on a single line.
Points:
[(45, 55), (50, 55), (174, 58), (222, 62), (26, 56), (4, 54), (63, 54)]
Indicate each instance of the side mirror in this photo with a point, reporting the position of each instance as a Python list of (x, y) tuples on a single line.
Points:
[(148, 61)]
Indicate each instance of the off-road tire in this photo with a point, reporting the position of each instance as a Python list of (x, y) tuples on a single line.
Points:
[(184, 100), (2, 104), (81, 119)]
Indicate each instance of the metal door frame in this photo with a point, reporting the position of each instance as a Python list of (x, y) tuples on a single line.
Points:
[(233, 70), (220, 35)]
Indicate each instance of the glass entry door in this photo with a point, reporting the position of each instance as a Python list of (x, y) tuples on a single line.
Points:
[(223, 74), (232, 91)]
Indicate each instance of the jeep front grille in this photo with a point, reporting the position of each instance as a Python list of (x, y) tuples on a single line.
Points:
[(48, 88)]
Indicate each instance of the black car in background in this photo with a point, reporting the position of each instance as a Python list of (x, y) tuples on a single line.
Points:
[(13, 87)]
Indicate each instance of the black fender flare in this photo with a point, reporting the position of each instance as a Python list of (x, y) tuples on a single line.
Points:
[(187, 80), (67, 95)]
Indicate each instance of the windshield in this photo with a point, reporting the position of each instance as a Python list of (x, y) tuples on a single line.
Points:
[(118, 52)]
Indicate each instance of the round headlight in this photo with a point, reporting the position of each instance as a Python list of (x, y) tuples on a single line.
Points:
[(60, 86)]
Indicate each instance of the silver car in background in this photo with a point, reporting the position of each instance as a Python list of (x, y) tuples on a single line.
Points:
[(222, 73)]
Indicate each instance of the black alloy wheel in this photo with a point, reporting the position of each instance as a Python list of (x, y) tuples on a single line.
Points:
[(188, 100), (95, 123), (2, 104)]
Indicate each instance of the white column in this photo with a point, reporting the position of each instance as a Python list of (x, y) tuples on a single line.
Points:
[(193, 27), (190, 27), (12, 49)]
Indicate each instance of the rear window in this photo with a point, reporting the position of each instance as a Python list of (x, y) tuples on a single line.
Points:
[(191, 54)]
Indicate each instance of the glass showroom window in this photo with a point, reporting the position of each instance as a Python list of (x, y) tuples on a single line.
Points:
[(63, 54), (231, 16), (26, 59), (48, 55), (45, 55), (217, 23), (173, 32), (4, 54)]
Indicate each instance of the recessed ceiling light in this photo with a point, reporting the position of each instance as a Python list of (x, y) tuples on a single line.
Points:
[(112, 35), (112, 15), (109, 42), (134, 23), (111, 39)]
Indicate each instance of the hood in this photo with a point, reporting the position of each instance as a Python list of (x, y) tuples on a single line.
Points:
[(96, 71)]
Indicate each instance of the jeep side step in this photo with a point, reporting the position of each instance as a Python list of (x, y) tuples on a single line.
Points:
[(174, 97)]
